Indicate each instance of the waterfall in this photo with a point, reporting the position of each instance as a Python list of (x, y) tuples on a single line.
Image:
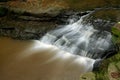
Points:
[(80, 39), (62, 54)]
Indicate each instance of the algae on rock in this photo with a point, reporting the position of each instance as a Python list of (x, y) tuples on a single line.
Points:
[(110, 68)]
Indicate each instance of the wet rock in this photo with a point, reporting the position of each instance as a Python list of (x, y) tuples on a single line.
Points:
[(109, 14), (102, 25), (109, 68), (32, 26), (104, 18), (3, 11), (3, 0), (23, 29)]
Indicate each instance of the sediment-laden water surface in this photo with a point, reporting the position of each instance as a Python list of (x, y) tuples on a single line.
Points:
[(33, 60), (62, 54)]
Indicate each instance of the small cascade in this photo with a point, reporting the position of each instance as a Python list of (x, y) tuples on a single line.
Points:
[(80, 39)]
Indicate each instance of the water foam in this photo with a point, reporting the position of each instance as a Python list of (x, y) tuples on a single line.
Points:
[(80, 39)]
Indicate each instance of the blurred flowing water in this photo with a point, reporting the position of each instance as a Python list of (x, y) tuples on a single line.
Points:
[(80, 39), (62, 54)]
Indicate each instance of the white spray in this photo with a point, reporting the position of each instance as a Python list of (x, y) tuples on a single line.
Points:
[(61, 54), (80, 39)]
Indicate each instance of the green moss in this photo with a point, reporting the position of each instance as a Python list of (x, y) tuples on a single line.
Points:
[(103, 71), (116, 32), (118, 65), (88, 76), (116, 35)]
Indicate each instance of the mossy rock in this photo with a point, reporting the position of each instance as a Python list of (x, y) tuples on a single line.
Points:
[(88, 76), (118, 65), (110, 68), (116, 33)]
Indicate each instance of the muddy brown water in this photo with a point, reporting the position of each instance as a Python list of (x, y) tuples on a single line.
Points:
[(33, 60)]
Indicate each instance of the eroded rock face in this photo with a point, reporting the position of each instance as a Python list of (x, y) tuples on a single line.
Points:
[(48, 8), (37, 6), (53, 7)]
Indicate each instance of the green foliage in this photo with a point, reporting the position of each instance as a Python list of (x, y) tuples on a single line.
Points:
[(116, 35), (102, 73), (116, 32)]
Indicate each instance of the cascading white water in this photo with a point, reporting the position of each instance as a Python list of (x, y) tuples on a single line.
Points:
[(80, 39), (63, 59)]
